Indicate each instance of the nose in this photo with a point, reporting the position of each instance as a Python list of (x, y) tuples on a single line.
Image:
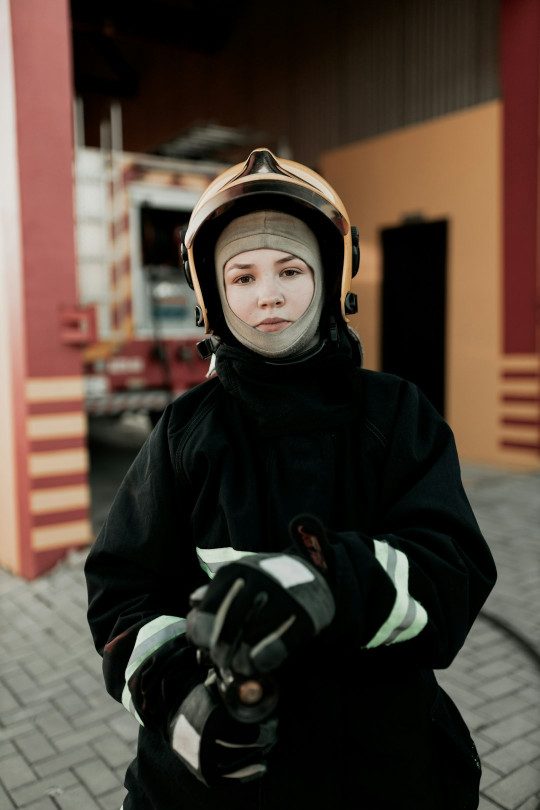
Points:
[(270, 295)]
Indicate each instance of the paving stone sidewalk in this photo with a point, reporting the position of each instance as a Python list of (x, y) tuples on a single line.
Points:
[(64, 744)]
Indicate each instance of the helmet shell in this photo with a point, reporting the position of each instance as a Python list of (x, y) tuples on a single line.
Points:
[(266, 182)]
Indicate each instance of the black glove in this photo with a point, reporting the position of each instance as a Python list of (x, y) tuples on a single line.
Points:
[(214, 746), (259, 609)]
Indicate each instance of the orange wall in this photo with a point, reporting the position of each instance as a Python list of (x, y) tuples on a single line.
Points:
[(448, 168)]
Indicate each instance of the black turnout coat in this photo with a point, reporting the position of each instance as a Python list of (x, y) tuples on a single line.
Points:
[(363, 722)]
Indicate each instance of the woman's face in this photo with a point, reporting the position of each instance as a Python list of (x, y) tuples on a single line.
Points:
[(268, 289)]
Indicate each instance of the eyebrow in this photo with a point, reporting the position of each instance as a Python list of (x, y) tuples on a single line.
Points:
[(288, 258), (283, 260), (238, 266)]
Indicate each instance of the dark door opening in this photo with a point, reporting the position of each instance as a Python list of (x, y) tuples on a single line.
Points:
[(414, 305)]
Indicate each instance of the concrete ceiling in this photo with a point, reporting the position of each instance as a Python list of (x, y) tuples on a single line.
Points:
[(107, 33)]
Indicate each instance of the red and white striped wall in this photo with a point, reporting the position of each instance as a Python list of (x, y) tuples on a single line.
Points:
[(519, 381), (519, 406), (44, 493), (58, 497)]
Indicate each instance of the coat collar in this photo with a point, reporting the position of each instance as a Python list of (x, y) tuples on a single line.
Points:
[(313, 391)]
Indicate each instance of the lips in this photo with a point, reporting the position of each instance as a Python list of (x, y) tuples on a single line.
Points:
[(272, 325)]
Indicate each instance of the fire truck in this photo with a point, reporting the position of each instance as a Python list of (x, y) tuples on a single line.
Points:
[(134, 320)]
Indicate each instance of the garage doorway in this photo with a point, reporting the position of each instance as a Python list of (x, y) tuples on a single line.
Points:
[(413, 343)]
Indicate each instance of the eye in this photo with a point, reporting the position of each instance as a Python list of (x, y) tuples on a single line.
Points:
[(243, 280), (290, 272)]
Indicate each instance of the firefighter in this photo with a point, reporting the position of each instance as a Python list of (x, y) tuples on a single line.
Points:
[(292, 553)]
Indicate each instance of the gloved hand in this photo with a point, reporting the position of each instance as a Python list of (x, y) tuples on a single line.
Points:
[(214, 746), (259, 609)]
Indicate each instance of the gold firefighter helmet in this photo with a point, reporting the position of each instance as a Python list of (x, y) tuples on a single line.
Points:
[(265, 182)]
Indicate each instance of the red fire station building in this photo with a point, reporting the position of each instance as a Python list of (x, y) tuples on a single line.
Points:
[(475, 169)]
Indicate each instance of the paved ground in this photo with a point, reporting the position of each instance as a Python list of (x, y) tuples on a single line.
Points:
[(64, 744)]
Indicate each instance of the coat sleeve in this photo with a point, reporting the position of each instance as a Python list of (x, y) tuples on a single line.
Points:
[(140, 572), (412, 588)]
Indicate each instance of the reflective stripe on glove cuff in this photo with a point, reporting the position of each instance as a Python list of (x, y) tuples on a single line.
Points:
[(213, 745)]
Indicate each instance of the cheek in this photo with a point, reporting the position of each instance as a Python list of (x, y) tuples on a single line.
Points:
[(305, 294), (237, 299)]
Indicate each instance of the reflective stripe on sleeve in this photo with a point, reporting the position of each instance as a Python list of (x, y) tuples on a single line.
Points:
[(407, 617), (210, 559), (150, 638)]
